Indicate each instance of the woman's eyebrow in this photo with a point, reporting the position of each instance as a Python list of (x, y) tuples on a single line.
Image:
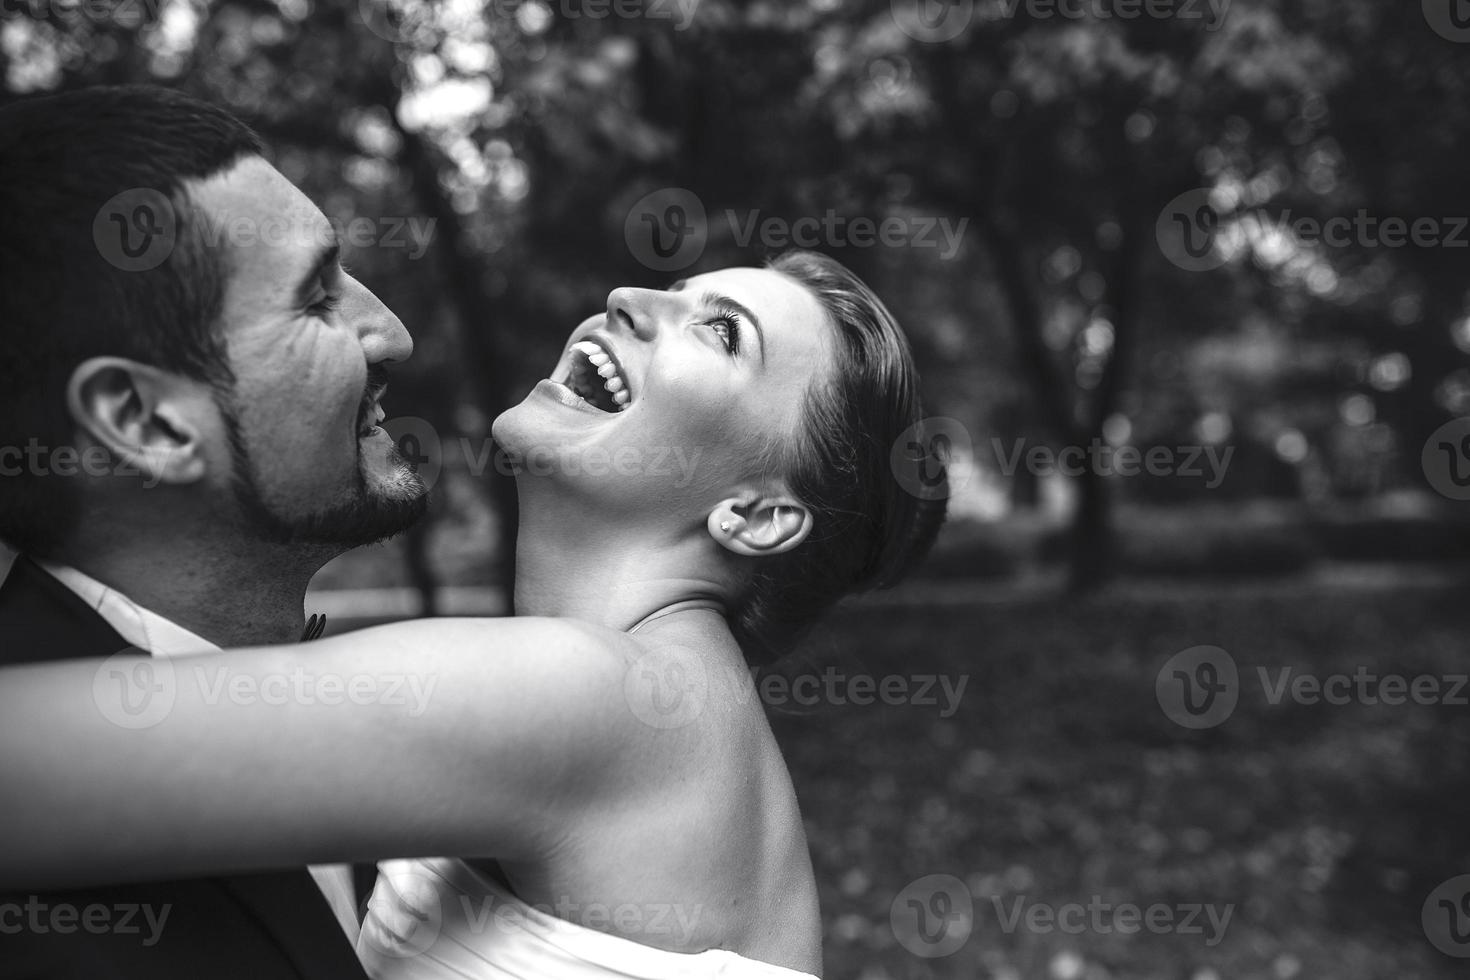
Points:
[(712, 298)]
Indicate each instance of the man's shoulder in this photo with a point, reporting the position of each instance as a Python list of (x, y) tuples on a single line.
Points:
[(224, 928), (41, 619)]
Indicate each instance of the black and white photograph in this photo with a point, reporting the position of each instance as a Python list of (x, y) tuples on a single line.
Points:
[(734, 489)]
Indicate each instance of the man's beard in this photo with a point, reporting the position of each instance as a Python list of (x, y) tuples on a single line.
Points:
[(364, 517)]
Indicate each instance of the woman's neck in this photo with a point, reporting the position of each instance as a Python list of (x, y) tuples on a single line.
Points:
[(614, 575)]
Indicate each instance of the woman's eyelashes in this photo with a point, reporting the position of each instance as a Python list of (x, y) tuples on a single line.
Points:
[(727, 327)]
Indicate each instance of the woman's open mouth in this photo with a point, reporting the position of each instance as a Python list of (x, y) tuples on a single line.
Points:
[(596, 377)]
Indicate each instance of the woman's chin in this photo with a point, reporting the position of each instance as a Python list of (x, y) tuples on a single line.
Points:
[(512, 427)]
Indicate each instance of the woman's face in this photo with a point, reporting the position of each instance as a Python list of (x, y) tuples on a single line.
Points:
[(671, 397)]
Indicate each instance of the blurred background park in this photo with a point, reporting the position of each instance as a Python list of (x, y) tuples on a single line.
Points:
[(1187, 283)]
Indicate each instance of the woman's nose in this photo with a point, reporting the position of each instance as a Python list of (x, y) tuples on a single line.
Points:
[(636, 310)]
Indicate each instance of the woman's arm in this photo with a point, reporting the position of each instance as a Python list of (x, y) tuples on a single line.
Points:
[(466, 737)]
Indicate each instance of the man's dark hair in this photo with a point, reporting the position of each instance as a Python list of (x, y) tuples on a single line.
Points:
[(70, 290)]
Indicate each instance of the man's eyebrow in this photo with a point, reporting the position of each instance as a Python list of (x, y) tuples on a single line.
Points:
[(711, 298), (326, 257)]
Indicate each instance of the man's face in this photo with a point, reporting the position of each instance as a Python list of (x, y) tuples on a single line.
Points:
[(309, 347)]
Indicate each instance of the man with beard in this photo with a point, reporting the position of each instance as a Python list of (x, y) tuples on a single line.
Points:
[(189, 388)]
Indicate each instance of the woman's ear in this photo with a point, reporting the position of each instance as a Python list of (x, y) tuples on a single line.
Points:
[(142, 415), (760, 525)]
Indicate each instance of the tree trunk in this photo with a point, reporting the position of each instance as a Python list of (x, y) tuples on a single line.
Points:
[(473, 306)]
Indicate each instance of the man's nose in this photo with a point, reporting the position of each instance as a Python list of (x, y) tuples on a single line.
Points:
[(383, 336)]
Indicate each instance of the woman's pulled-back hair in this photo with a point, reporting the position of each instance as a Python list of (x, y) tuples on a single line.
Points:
[(868, 530)]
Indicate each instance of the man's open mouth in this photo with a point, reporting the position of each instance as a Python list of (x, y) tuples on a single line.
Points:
[(596, 377), (370, 415)]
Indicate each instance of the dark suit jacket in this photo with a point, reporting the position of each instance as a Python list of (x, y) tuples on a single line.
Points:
[(241, 927)]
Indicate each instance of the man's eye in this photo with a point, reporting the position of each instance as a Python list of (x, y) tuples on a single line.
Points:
[(325, 306)]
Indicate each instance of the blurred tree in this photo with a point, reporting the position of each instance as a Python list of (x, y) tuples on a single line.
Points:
[(527, 130)]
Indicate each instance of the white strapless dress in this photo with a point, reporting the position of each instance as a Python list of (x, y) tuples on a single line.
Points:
[(440, 919)]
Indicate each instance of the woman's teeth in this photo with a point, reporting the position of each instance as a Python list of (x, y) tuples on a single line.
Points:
[(613, 383)]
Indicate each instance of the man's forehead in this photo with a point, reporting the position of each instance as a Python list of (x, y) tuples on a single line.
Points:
[(252, 201)]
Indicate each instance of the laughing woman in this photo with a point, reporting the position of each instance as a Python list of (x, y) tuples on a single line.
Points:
[(600, 760)]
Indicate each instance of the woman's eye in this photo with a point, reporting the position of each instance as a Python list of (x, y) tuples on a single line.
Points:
[(727, 327)]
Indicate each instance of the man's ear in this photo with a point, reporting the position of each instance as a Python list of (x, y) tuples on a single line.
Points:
[(142, 415), (765, 524)]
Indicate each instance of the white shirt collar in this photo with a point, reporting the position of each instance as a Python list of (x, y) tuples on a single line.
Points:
[(139, 626)]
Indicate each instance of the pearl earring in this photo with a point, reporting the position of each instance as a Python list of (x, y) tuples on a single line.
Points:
[(725, 526)]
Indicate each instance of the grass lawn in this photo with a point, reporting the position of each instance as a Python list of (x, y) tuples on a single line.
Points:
[(1059, 780)]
